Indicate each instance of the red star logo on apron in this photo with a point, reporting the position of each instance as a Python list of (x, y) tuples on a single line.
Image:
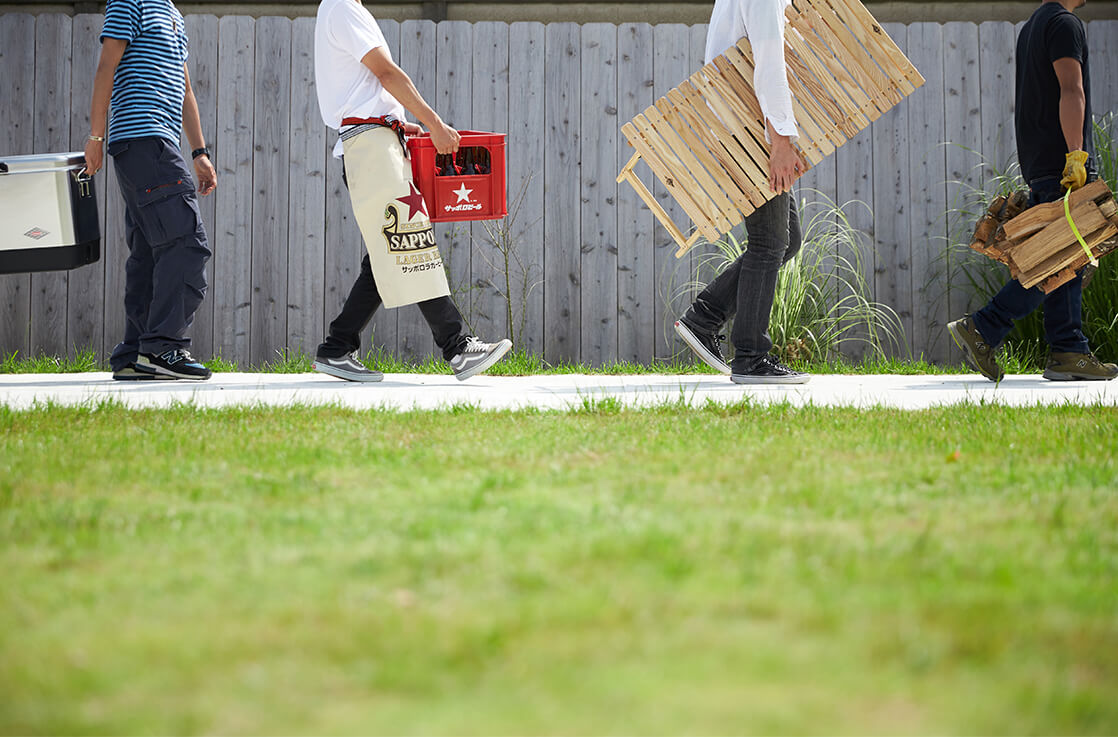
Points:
[(414, 201)]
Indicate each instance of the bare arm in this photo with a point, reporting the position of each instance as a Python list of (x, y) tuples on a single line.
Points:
[(112, 49), (1073, 101), (399, 85), (192, 126)]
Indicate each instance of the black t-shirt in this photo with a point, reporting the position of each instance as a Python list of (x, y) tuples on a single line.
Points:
[(1051, 33)]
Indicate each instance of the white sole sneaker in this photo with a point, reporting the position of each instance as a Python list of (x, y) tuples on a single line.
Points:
[(696, 345), (341, 370), (474, 365)]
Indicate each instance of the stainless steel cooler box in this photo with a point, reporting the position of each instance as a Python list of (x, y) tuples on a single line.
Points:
[(48, 213)]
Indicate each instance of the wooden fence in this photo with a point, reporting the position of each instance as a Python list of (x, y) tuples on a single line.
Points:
[(601, 280)]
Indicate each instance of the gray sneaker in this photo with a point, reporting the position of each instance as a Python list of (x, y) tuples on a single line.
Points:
[(706, 346), (979, 353), (347, 367), (478, 356), (1078, 367)]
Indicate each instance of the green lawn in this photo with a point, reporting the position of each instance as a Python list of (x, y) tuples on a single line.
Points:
[(725, 570)]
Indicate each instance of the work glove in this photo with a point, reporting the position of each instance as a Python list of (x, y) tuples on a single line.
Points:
[(1075, 170)]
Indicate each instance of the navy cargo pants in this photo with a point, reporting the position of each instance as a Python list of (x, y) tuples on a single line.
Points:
[(165, 274)]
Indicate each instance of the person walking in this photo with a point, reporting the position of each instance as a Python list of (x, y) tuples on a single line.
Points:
[(745, 290), (1056, 150), (363, 94), (142, 73)]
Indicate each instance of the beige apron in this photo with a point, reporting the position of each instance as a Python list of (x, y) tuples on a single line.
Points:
[(393, 219)]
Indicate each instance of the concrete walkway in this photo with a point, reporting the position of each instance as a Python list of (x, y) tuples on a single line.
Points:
[(420, 391)]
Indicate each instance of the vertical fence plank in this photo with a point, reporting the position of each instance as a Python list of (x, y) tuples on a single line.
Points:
[(996, 44), (493, 295), (599, 124), (562, 222), (927, 185), (454, 102), (85, 308), (893, 207), (53, 39), (17, 69), (231, 233), (526, 181), (271, 127), (636, 268), (418, 43), (306, 197), (202, 31), (855, 190), (1102, 40), (671, 65)]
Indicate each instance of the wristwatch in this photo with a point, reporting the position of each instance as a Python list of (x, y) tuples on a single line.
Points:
[(199, 151)]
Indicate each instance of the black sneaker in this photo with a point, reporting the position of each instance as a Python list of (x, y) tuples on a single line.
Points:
[(132, 372), (706, 346), (176, 363), (1078, 367), (478, 356), (347, 367), (979, 353), (768, 370)]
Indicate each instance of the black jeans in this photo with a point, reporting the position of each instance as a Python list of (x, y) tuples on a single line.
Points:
[(1063, 306), (441, 314), (165, 274), (745, 290)]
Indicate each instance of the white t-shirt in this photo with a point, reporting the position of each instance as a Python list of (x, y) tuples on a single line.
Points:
[(344, 32), (762, 21)]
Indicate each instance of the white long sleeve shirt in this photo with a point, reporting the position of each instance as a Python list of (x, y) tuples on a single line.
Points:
[(762, 21)]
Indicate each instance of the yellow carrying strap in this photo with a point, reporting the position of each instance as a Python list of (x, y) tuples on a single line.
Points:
[(1067, 214)]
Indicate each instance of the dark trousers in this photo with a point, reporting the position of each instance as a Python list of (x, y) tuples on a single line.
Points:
[(745, 290), (1063, 306), (441, 314), (165, 273)]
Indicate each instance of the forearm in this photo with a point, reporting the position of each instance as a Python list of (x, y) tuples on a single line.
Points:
[(191, 121), (400, 86), (102, 92), (1073, 105)]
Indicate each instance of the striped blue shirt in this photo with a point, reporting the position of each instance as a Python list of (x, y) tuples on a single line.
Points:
[(149, 84)]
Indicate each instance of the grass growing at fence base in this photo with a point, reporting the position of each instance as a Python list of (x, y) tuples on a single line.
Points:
[(730, 570)]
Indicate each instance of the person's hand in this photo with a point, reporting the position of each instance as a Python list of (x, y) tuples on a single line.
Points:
[(1075, 170), (785, 164), (206, 175), (444, 138), (412, 129), (94, 156)]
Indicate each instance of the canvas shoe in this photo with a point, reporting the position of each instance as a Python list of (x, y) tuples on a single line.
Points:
[(768, 370), (176, 363), (347, 367), (706, 346), (1078, 367), (478, 356), (132, 372), (979, 353)]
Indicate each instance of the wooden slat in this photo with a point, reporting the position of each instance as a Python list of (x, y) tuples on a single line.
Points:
[(51, 135), (306, 183), (202, 31), (490, 113), (526, 181), (563, 220), (598, 219), (854, 165), (845, 44), (17, 57), (272, 132), (875, 38), (231, 233), (828, 48), (419, 56), (996, 56), (85, 304), (751, 154), (1102, 43), (849, 115)]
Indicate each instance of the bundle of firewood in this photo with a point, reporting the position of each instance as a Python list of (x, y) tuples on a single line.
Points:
[(1038, 245)]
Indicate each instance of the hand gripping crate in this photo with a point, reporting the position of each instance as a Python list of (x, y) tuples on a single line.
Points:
[(48, 213), (705, 140), (469, 185), (1039, 244)]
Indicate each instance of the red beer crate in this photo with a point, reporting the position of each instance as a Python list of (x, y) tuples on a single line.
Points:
[(468, 185)]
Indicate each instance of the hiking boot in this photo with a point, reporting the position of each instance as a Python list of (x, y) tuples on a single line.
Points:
[(979, 353), (346, 367), (706, 346), (132, 372), (478, 356), (1078, 367), (768, 370), (176, 363)]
